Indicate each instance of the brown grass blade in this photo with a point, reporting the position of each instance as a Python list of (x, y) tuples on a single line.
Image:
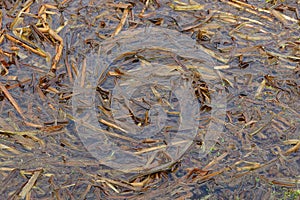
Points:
[(122, 22), (12, 100), (26, 189)]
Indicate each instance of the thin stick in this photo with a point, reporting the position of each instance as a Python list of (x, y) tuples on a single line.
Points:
[(83, 71), (12, 100), (122, 22), (36, 51), (103, 121)]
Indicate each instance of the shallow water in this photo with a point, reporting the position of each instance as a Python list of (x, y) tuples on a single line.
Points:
[(144, 85)]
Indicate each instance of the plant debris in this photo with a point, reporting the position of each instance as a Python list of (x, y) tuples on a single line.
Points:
[(255, 48)]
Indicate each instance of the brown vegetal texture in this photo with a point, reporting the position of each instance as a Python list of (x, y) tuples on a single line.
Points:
[(255, 46)]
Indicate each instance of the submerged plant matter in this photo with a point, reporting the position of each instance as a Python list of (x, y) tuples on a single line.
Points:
[(203, 96)]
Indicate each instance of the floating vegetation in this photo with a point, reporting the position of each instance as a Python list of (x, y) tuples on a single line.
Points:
[(193, 99)]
